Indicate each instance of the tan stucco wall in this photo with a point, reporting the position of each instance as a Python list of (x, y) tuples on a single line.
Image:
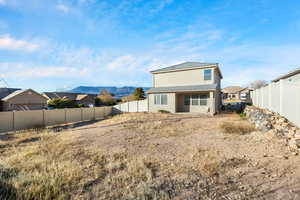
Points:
[(183, 78), (171, 106)]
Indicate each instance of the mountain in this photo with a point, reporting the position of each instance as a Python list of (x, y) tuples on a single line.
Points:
[(117, 91)]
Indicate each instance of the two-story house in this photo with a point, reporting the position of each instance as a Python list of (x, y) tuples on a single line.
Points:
[(186, 87)]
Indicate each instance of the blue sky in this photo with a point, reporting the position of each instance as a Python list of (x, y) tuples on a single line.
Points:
[(59, 44)]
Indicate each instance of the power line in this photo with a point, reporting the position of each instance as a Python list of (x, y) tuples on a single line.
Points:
[(4, 82)]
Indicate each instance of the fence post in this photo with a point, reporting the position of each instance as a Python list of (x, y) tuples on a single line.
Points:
[(94, 113), (137, 106), (13, 121), (44, 121), (65, 115), (128, 106), (281, 89), (270, 96), (81, 113)]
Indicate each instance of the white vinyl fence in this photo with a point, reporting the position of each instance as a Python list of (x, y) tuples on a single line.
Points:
[(18, 120), (282, 97), (132, 106)]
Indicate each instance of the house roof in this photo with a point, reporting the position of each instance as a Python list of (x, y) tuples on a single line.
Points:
[(192, 88), (187, 66), (71, 96), (81, 96), (7, 91), (17, 92), (289, 74), (232, 89)]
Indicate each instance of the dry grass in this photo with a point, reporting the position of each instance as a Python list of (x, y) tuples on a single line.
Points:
[(47, 165), (237, 127)]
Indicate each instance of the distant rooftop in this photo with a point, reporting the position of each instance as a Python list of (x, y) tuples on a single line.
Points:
[(4, 92), (186, 65), (232, 89), (289, 74)]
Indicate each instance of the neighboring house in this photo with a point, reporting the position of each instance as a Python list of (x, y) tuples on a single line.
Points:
[(233, 94), (16, 99), (186, 87), (291, 77), (87, 100)]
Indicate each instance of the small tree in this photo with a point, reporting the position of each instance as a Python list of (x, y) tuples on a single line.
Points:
[(105, 92), (258, 84), (139, 94)]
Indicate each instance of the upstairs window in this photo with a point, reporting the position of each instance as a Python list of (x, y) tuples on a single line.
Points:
[(207, 74)]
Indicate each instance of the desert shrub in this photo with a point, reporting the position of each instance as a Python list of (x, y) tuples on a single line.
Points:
[(105, 100), (163, 111), (239, 127), (243, 115), (62, 103)]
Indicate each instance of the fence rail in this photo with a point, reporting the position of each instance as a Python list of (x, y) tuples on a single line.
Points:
[(282, 97), (18, 120), (132, 106)]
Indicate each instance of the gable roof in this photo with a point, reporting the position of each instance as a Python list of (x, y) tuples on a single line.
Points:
[(7, 91), (71, 96), (192, 88), (232, 89), (289, 74), (17, 92), (187, 66)]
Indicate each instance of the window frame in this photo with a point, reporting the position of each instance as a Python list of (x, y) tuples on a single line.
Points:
[(160, 99), (195, 100), (206, 75), (187, 100)]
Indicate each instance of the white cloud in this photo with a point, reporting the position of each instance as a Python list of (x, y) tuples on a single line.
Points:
[(121, 62), (28, 71), (9, 43), (63, 8), (2, 2), (161, 5)]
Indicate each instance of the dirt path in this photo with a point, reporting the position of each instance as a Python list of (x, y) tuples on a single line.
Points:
[(150, 156), (262, 160)]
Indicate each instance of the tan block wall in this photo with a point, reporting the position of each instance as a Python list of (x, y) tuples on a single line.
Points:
[(28, 119), (54, 117), (18, 120), (6, 121), (73, 115), (99, 112), (183, 78), (88, 114)]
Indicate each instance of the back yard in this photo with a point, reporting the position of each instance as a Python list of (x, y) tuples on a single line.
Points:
[(149, 156)]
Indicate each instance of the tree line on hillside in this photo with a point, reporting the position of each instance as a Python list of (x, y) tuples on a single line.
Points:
[(103, 99)]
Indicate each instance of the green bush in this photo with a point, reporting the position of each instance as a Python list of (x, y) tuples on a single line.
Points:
[(163, 111), (242, 115), (62, 103)]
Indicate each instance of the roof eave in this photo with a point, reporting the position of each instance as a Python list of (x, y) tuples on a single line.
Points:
[(292, 73), (184, 69)]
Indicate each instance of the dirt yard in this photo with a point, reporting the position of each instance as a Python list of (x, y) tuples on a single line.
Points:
[(150, 156)]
